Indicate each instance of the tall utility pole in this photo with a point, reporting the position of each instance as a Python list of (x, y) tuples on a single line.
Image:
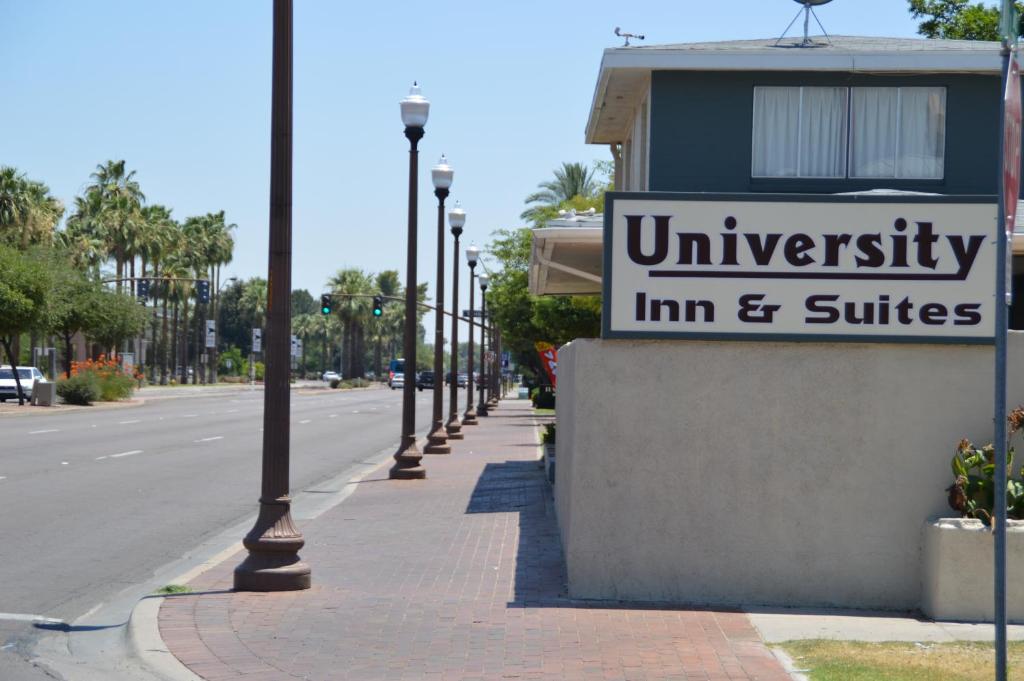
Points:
[(273, 563)]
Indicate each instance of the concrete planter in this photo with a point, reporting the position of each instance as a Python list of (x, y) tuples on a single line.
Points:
[(957, 570)]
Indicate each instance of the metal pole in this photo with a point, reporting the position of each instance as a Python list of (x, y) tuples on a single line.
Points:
[(437, 438), (453, 427), (469, 418), (273, 563), (999, 515), (408, 459), (481, 407)]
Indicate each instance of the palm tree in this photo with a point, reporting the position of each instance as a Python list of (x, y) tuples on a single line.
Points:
[(121, 198), (28, 213), (571, 180), (352, 289)]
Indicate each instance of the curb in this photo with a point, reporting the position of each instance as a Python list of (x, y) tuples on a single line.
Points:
[(143, 630), (789, 665)]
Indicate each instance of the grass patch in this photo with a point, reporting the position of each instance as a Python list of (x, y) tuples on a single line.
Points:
[(855, 661), (174, 589), (544, 412)]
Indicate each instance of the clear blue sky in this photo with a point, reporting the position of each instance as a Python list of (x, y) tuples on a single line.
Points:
[(181, 90)]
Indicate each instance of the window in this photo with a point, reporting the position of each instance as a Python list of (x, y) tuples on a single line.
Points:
[(838, 132), (898, 132), (800, 131)]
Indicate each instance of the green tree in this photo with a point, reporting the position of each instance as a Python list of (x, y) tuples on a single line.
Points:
[(118, 317), (25, 283), (303, 303), (571, 180), (958, 19), (28, 213), (525, 319)]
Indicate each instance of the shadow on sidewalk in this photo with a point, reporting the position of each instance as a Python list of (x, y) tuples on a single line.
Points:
[(520, 487)]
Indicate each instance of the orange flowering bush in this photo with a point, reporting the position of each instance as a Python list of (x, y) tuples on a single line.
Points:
[(114, 382)]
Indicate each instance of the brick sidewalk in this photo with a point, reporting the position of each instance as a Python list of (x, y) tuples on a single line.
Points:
[(456, 577)]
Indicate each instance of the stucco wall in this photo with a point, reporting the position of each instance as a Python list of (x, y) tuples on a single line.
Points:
[(761, 473)]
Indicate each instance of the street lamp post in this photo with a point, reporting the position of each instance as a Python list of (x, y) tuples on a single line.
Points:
[(469, 418), (408, 459), (481, 407), (456, 219), (437, 439), (273, 563)]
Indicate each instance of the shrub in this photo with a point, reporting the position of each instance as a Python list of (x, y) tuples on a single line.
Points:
[(259, 370), (111, 380), (82, 388), (335, 382), (543, 398), (548, 436), (972, 493)]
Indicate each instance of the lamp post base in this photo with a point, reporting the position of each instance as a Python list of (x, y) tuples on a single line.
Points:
[(469, 418), (273, 563), (408, 464), (437, 441), (481, 409), (454, 429)]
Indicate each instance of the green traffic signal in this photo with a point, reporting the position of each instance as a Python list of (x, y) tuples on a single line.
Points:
[(325, 304), (378, 306)]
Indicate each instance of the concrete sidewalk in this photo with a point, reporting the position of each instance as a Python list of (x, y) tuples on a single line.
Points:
[(459, 576)]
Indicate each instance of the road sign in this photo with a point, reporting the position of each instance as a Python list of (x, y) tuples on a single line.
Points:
[(474, 313), (211, 333), (506, 359), (1011, 144), (295, 346), (257, 340)]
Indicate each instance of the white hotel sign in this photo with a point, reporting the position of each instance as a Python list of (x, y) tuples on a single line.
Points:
[(744, 266)]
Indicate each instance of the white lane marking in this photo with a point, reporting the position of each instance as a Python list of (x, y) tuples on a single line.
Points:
[(125, 423), (64, 463), (131, 453), (3, 477), (356, 411), (100, 458), (189, 416), (20, 617), (305, 421), (231, 411), (210, 439), (333, 416), (40, 432)]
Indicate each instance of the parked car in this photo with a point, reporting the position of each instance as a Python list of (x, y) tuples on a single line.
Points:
[(425, 380), (397, 366), (397, 381), (331, 376), (462, 380), (9, 388)]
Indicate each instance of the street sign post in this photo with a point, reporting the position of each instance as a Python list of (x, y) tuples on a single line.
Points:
[(211, 333), (257, 340), (1009, 192)]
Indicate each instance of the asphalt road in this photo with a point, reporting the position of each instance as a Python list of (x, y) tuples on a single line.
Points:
[(95, 501)]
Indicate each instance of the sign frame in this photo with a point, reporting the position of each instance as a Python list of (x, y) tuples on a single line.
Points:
[(608, 275)]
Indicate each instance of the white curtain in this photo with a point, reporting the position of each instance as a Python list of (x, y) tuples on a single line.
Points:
[(776, 126), (823, 132), (898, 132), (922, 132), (873, 141)]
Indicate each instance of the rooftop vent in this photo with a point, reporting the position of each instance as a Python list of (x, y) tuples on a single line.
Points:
[(807, 9)]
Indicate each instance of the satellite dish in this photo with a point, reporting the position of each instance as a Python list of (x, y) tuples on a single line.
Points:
[(807, 9)]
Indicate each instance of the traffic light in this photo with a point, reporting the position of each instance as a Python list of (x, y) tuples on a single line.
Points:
[(378, 306), (203, 291), (325, 304), (142, 289)]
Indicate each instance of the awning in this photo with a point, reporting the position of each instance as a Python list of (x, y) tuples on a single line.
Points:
[(567, 260)]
